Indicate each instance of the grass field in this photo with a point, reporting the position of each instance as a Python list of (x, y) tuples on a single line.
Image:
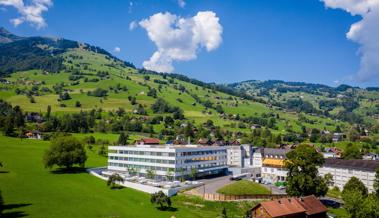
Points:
[(29, 190), (243, 187)]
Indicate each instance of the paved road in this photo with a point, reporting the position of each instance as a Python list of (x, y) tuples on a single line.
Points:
[(212, 185)]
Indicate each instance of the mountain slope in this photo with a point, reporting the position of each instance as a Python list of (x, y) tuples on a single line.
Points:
[(352, 104), (89, 79)]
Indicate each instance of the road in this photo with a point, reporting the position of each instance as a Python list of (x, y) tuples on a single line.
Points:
[(212, 185)]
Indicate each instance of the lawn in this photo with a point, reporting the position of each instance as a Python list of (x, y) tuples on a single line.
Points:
[(243, 187), (29, 190)]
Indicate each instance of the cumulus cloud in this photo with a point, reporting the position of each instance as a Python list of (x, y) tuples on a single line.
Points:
[(117, 49), (180, 39), (133, 25), (365, 32), (30, 12), (181, 3)]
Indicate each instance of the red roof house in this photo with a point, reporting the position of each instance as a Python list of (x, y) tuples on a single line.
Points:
[(305, 207), (148, 141)]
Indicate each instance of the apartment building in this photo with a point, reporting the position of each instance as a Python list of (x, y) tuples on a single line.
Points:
[(343, 170), (239, 155), (271, 162), (168, 160)]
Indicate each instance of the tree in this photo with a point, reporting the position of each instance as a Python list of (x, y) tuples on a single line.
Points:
[(150, 174), (170, 174), (65, 151), (78, 104), (354, 194), (160, 198), (376, 183), (64, 96), (369, 208), (48, 112), (193, 173), (354, 184), (223, 213), (113, 179), (302, 178), (351, 152), (123, 139)]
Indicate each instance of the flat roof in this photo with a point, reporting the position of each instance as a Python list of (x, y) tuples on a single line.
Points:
[(358, 164), (168, 146)]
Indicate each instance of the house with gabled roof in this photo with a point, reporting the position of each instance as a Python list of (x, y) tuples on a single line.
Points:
[(304, 207)]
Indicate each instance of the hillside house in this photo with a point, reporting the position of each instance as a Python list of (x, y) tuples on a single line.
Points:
[(33, 134), (147, 141)]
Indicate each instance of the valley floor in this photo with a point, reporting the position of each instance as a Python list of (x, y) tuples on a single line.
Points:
[(30, 190)]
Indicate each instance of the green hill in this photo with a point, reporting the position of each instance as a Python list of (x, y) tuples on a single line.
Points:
[(86, 81)]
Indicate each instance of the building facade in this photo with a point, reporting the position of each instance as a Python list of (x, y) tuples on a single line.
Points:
[(239, 155), (343, 170), (168, 160), (271, 162)]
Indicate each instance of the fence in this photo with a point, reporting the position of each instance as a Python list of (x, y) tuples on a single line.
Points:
[(220, 197)]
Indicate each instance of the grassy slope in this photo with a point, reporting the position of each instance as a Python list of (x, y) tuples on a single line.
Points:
[(137, 86), (24, 181), (243, 187)]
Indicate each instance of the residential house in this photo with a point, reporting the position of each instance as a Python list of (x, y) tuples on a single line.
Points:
[(370, 156), (304, 207), (147, 141), (337, 137), (343, 170), (33, 134)]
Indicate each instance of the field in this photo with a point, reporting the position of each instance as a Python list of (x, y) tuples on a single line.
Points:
[(243, 187), (29, 190)]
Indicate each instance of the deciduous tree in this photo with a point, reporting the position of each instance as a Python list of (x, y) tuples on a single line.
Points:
[(302, 177), (65, 151)]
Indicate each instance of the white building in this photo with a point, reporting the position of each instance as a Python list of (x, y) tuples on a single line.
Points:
[(239, 155), (168, 160), (271, 162), (343, 170)]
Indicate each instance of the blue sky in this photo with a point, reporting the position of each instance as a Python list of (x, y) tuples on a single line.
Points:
[(292, 40)]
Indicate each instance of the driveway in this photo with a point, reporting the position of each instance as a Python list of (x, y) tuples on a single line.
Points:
[(211, 185)]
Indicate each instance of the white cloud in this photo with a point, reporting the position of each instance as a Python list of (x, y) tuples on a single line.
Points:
[(181, 3), (365, 32), (117, 49), (31, 12), (133, 25), (179, 39)]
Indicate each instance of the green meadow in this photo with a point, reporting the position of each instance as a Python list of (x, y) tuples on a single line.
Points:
[(30, 190)]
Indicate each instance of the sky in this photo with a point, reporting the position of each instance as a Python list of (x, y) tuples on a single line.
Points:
[(330, 42)]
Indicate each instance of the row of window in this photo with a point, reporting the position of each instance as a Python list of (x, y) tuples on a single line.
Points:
[(139, 167), (191, 153), (145, 160)]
